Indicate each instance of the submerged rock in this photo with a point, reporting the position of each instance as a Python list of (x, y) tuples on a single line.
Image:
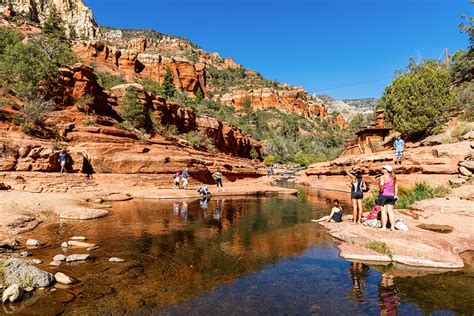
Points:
[(12, 294), (63, 279), (77, 257), (79, 238), (115, 259), (83, 214), (64, 245), (36, 261), (25, 254), (93, 248), (55, 263), (16, 271), (80, 244)]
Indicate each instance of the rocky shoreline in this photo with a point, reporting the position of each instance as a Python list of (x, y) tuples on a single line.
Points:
[(422, 246)]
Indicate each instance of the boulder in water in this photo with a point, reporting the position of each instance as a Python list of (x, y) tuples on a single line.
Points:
[(16, 271), (33, 243), (12, 294), (63, 279), (59, 257)]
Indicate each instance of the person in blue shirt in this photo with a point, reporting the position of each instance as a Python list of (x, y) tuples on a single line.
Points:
[(399, 144), (184, 178), (63, 160)]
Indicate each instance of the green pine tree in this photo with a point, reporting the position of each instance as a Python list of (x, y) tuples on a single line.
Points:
[(53, 27), (199, 95), (132, 110), (168, 84)]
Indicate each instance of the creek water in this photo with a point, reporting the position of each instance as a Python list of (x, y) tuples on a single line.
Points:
[(229, 256)]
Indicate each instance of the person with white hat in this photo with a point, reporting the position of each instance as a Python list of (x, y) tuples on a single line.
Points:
[(388, 195)]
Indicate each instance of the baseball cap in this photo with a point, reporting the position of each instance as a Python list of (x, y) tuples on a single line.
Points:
[(388, 168)]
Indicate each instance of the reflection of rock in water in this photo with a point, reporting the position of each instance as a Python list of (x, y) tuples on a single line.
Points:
[(449, 291), (359, 273)]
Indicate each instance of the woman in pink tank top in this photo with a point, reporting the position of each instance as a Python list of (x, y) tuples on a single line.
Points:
[(389, 190)]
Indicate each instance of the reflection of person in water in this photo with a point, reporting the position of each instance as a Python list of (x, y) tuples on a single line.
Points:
[(388, 293), (184, 211), (203, 203), (176, 208), (218, 211), (359, 273)]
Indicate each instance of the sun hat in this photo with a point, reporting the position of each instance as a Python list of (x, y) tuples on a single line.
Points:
[(388, 168)]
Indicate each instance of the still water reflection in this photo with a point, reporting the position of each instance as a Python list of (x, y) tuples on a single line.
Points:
[(233, 256)]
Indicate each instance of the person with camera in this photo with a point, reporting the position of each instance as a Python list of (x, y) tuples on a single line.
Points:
[(358, 187), (388, 188)]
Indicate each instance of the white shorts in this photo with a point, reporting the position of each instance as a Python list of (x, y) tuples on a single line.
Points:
[(63, 164), (184, 180)]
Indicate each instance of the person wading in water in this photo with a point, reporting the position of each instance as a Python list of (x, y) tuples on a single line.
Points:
[(358, 187)]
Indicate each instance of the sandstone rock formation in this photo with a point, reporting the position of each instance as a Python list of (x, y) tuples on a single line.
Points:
[(78, 18), (138, 54), (133, 61), (435, 164), (291, 101)]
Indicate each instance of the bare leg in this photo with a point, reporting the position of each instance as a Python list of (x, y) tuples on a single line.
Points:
[(360, 210), (384, 217), (354, 211), (323, 219), (391, 217)]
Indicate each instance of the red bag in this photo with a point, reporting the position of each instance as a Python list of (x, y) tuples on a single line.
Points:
[(374, 212)]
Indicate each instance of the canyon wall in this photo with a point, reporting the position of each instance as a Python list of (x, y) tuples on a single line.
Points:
[(78, 18)]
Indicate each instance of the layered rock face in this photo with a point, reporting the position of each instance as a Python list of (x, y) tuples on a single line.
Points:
[(135, 61), (290, 101), (106, 149), (225, 137), (432, 164), (78, 18)]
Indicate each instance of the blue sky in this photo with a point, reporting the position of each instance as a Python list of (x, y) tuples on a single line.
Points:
[(316, 44)]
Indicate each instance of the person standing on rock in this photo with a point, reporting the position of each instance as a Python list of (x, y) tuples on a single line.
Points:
[(399, 144), (218, 177), (184, 178), (63, 159), (176, 180), (357, 193), (388, 195)]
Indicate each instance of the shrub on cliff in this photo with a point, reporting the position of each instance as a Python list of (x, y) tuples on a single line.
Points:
[(151, 86), (198, 140), (8, 37), (54, 40), (419, 100), (462, 66), (132, 110), (269, 160), (27, 70), (107, 80), (33, 114)]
